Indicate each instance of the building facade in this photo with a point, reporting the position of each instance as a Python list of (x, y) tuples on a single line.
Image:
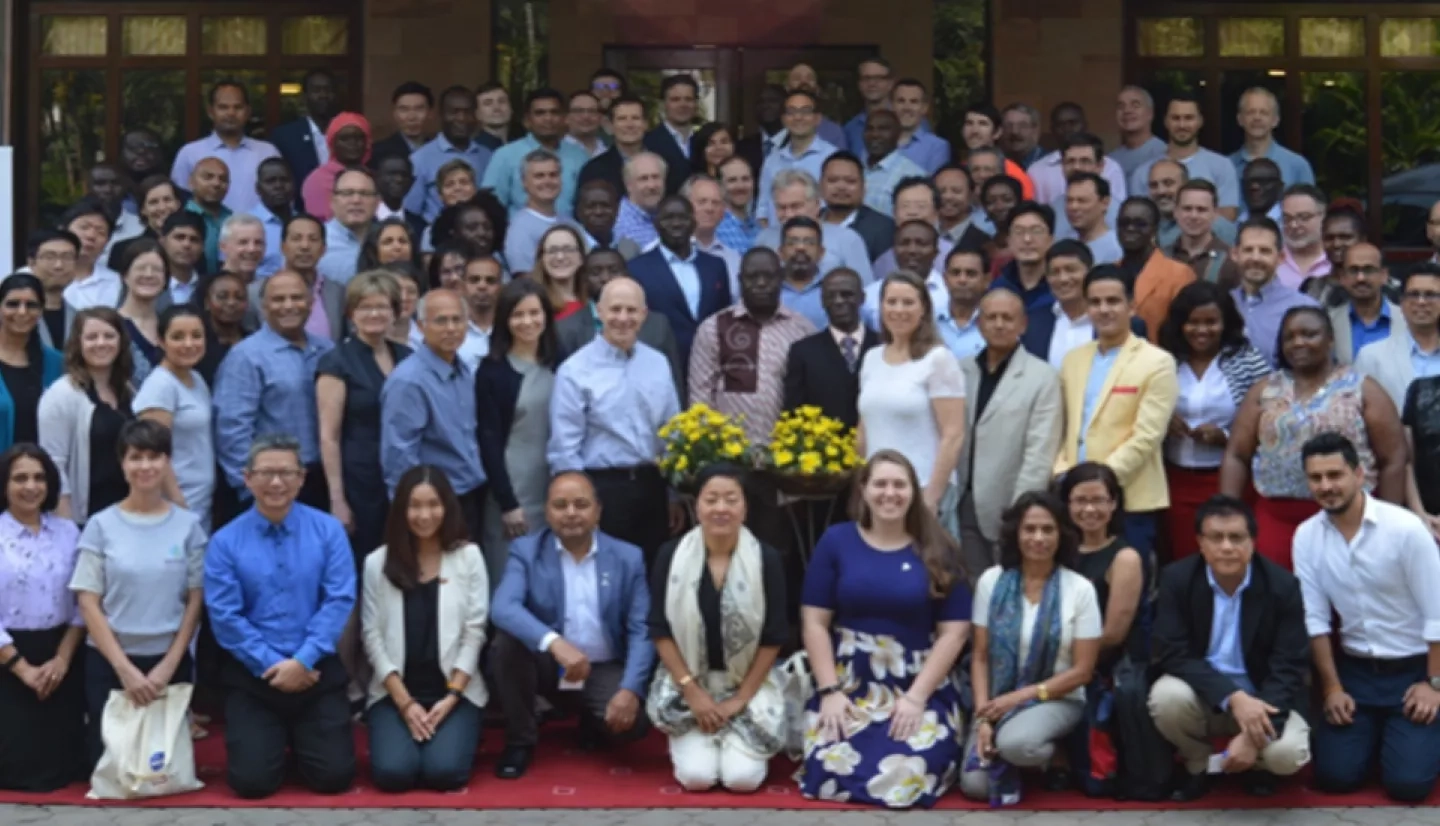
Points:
[(1355, 78)]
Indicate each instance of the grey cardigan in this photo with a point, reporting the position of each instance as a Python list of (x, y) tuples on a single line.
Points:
[(64, 429)]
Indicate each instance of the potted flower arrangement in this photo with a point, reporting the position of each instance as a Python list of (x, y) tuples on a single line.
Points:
[(811, 454), (698, 437)]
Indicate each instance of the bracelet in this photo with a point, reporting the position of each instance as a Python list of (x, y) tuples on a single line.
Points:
[(833, 688), (9, 665), (454, 687), (684, 681), (457, 693), (1043, 693)]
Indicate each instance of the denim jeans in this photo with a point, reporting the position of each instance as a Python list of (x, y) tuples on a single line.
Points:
[(399, 763)]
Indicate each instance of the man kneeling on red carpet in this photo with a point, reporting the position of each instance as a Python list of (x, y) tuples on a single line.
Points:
[(571, 625)]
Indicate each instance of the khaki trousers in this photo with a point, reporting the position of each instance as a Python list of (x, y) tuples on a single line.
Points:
[(1182, 718)]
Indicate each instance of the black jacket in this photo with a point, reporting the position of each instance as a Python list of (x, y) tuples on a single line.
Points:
[(607, 166), (815, 373), (677, 166), (876, 229), (1272, 634)]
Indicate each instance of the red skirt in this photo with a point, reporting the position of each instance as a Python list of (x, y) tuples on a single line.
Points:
[(1189, 489), (1277, 520)]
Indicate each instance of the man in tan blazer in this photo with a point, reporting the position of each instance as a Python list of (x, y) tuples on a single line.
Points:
[(1120, 392), (1013, 425)]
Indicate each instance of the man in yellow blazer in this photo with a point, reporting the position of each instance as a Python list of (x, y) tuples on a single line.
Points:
[(1119, 393)]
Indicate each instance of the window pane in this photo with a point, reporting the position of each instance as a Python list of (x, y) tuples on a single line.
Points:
[(292, 100), (1164, 84), (1410, 37), (1332, 36), (646, 84), (154, 36), (1252, 37), (255, 87), (1233, 86), (232, 35), (315, 34), (521, 41), (72, 135), (1410, 126), (73, 36), (1170, 37), (155, 99), (959, 37), (1334, 121)]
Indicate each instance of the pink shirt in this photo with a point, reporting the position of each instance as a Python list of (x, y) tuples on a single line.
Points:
[(319, 322), (1291, 275)]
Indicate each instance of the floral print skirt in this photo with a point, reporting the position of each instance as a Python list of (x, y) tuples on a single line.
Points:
[(867, 765)]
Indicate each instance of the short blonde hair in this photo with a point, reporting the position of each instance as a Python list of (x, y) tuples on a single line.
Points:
[(368, 283)]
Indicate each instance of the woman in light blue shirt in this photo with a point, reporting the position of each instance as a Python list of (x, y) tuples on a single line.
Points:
[(177, 396)]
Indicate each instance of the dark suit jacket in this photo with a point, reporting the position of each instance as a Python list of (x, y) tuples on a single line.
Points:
[(607, 166), (972, 239), (875, 229), (1272, 634), (297, 147), (1041, 329), (815, 373), (391, 147), (497, 390), (577, 329), (677, 166), (663, 294), (752, 148)]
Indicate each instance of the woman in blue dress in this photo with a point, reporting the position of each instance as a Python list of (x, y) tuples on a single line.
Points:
[(884, 726)]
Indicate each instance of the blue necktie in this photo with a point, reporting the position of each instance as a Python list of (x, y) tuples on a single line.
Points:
[(847, 348)]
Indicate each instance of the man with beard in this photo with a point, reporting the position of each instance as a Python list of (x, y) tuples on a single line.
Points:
[(1302, 216), (802, 247), (680, 282), (1381, 688), (1156, 278), (1261, 299), (843, 189), (1397, 361), (276, 188), (1368, 316), (1183, 122), (961, 223), (1198, 246)]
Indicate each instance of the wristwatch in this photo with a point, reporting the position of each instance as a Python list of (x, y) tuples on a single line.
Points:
[(9, 665), (1435, 683), (828, 690)]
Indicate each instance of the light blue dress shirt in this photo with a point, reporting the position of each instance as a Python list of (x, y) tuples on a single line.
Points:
[(608, 406), (1362, 334), (928, 150), (503, 173), (427, 417), (1424, 364), (805, 300), (962, 337), (843, 248), (274, 259), (687, 277), (1106, 249), (280, 590), (882, 178), (1100, 367), (1225, 654), (1264, 311), (737, 234), (1211, 166), (424, 197), (243, 161), (1064, 230), (1294, 169), (811, 160), (266, 385), (342, 252)]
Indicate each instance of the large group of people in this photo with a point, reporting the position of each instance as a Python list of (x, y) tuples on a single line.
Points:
[(339, 428)]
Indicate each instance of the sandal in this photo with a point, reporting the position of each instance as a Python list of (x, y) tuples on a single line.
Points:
[(197, 731)]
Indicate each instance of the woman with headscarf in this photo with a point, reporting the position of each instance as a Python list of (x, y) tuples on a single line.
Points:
[(348, 137)]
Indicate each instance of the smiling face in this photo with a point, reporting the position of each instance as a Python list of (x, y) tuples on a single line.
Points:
[(1257, 253), (679, 105), (227, 300), (596, 208), (882, 134), (1195, 212), (801, 116), (675, 222), (645, 181), (888, 492), (184, 342), (303, 245), (1066, 276), (244, 249), (720, 508), (1363, 273), (1091, 507), (444, 323), (760, 284), (719, 147), (622, 311), (955, 194), (145, 470), (99, 344), (457, 185), (1109, 308), (1133, 112), (1421, 303), (26, 487), (527, 321), (1333, 483), (1302, 217), (708, 203), (1029, 238), (1260, 186), (1165, 179), (1183, 121), (1135, 227), (287, 301), (1204, 330), (374, 314), (425, 512), (1039, 536), (160, 203), (572, 510), (738, 182), (1084, 206), (901, 306), (274, 478), (563, 255), (210, 182), (916, 247), (146, 278), (394, 244), (1306, 342)]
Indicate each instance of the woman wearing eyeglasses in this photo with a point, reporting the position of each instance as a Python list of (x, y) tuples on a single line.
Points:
[(557, 268), (26, 366)]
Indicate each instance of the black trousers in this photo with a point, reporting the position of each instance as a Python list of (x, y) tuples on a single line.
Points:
[(472, 504), (316, 491), (522, 674), (635, 506), (262, 724), (101, 679)]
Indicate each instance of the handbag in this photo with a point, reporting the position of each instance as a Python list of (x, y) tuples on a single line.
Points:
[(796, 686), (148, 750)]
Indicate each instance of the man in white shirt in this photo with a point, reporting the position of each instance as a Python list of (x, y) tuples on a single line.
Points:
[(480, 287), (708, 201), (94, 284), (1375, 566)]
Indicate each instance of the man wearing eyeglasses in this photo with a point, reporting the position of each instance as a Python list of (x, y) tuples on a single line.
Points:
[(1367, 316), (52, 254), (1398, 359), (805, 150), (1302, 217), (583, 120), (353, 202)]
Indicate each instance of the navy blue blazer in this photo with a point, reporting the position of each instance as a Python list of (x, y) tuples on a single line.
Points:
[(664, 296), (297, 147), (497, 390), (1042, 328), (530, 601)]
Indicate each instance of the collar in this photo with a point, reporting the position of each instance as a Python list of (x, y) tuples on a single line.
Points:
[(782, 313), (278, 342), (1101, 352), (676, 133), (442, 369), (1416, 351), (1060, 315), (886, 163), (671, 257), (715, 247), (943, 314), (817, 147), (1320, 267), (1215, 586), (266, 216), (284, 527), (217, 142), (984, 363), (194, 206), (590, 554), (858, 336), (447, 147), (10, 525), (1266, 291), (1212, 249), (1369, 517), (615, 354), (1384, 312)]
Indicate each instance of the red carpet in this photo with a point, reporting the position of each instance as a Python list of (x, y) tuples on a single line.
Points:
[(637, 777)]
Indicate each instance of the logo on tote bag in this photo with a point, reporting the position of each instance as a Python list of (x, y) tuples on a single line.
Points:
[(157, 761)]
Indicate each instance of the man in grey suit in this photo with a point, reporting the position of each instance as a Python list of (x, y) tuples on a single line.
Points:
[(596, 651), (603, 265), (1413, 351), (1012, 428)]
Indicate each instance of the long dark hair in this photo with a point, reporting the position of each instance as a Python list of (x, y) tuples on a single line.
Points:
[(402, 552), (699, 141), (1096, 472), (1192, 297), (510, 297), (34, 350), (26, 450), (121, 372), (1069, 537), (369, 258), (936, 548)]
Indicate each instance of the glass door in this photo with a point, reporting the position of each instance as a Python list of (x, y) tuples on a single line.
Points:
[(646, 68)]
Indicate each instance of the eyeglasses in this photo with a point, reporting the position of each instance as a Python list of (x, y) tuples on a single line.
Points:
[(281, 475), (1299, 217), (569, 249), (354, 193), (1028, 232), (799, 111), (56, 257), (1365, 272), (20, 304), (606, 86), (1422, 295), (377, 309)]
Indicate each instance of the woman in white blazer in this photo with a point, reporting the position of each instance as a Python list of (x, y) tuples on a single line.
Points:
[(426, 602)]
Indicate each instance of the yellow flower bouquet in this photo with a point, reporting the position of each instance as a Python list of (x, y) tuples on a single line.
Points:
[(811, 454), (698, 437)]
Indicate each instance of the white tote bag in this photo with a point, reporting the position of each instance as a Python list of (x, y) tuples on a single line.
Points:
[(148, 751)]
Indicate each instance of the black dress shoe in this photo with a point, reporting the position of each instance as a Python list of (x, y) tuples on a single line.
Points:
[(1259, 783), (1058, 780), (514, 762), (590, 737), (1193, 787)]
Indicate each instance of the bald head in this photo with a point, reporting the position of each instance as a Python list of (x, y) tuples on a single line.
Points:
[(442, 320), (1002, 321), (803, 77), (210, 182), (622, 312)]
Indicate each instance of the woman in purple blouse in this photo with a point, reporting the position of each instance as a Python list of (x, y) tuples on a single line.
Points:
[(42, 699)]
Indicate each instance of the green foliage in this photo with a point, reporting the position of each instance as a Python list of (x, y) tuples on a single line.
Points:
[(961, 31), (522, 44)]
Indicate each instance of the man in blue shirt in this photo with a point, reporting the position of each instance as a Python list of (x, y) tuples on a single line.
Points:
[(611, 398), (874, 84), (427, 408), (280, 588), (805, 150), (1259, 115), (266, 384), (1368, 315), (354, 200), (911, 102), (456, 140), (1231, 650), (275, 187), (545, 115)]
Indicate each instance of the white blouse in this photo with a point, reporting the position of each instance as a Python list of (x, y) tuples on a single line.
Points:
[(895, 404), (1203, 400), (1079, 616)]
